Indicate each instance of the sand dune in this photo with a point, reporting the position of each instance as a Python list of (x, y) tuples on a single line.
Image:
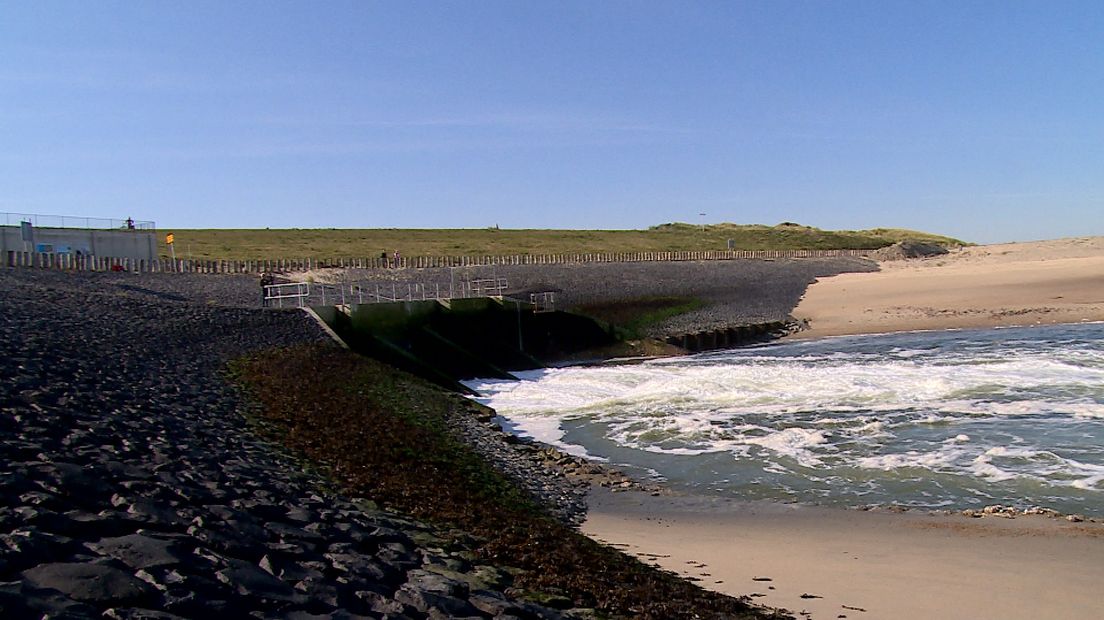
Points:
[(1044, 282)]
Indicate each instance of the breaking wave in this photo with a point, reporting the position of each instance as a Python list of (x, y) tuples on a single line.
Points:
[(931, 419)]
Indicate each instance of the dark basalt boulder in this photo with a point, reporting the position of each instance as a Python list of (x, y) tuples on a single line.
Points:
[(904, 250), (89, 583)]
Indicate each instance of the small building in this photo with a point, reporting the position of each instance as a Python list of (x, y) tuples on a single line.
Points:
[(88, 236)]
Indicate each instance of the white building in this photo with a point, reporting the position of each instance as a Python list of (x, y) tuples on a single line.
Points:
[(54, 234)]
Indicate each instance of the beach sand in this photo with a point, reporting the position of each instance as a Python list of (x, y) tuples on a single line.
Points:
[(836, 563), (1043, 282), (863, 564)]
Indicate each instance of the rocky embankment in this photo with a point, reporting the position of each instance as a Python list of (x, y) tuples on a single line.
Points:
[(131, 485), (557, 480), (735, 292)]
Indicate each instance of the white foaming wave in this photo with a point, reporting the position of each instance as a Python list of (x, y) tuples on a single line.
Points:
[(913, 458), (793, 442), (1011, 452), (538, 408), (1045, 467), (697, 435), (908, 353), (549, 431), (934, 418), (1093, 481), (787, 385), (525, 405), (1087, 476), (877, 427), (1085, 411), (983, 467), (1051, 469), (949, 459), (565, 389), (694, 433), (1021, 408), (675, 407)]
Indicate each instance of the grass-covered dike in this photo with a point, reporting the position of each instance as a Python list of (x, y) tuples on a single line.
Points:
[(382, 434), (261, 244)]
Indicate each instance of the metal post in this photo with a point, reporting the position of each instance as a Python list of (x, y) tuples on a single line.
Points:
[(517, 304)]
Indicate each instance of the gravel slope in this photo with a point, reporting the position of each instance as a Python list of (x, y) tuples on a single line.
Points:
[(131, 486)]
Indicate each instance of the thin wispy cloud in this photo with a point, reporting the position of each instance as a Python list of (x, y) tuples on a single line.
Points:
[(507, 121)]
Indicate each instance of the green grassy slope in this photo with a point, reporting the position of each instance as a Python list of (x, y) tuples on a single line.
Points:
[(348, 243)]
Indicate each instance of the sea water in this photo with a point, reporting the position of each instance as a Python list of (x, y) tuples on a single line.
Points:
[(950, 419)]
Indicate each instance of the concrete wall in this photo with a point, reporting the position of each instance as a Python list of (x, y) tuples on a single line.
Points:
[(133, 244), (478, 337)]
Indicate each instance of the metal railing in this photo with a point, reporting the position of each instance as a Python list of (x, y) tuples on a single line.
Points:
[(543, 302), (300, 294), (275, 294), (487, 287), (73, 221)]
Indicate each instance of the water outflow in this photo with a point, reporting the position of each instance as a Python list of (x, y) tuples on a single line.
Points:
[(954, 419)]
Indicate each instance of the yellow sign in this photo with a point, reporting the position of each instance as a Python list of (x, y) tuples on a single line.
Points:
[(169, 238)]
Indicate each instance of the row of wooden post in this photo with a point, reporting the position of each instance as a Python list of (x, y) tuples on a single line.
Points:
[(97, 263)]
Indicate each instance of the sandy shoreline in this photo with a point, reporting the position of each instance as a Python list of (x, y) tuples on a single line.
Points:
[(821, 562), (857, 564), (1013, 284)]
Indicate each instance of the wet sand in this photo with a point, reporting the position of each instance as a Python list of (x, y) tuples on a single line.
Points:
[(835, 563), (1015, 284), (832, 563)]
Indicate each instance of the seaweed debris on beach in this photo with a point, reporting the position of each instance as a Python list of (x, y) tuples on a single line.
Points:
[(384, 434)]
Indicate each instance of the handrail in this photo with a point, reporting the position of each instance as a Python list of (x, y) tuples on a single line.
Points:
[(370, 292), (74, 221)]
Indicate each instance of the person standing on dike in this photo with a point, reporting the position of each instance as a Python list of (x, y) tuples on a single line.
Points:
[(267, 279)]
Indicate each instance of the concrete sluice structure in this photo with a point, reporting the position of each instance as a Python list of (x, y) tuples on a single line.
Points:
[(446, 342)]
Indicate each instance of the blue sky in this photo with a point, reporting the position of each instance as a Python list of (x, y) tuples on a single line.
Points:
[(982, 120)]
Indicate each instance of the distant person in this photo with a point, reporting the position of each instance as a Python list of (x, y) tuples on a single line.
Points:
[(398, 258), (130, 223), (383, 258), (267, 280)]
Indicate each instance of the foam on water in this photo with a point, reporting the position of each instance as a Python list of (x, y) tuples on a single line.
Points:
[(931, 419)]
